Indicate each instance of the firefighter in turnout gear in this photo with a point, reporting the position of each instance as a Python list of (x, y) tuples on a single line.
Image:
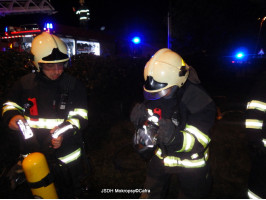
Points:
[(256, 134), (48, 100), (183, 136)]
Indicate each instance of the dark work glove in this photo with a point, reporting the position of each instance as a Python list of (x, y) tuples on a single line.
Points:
[(166, 131), (138, 114)]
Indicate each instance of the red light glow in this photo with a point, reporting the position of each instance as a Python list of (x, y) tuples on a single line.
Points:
[(21, 32)]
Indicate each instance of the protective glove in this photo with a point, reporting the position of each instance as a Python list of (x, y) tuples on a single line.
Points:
[(138, 114), (166, 131)]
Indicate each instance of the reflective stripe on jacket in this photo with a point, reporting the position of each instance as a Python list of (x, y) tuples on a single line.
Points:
[(191, 133), (47, 123), (71, 157), (195, 112), (49, 98), (256, 123), (194, 162)]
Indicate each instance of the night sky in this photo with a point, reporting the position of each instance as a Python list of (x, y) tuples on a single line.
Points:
[(115, 14), (202, 25)]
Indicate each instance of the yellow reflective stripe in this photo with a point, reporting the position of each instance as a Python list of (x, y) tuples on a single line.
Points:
[(254, 123), (7, 108), (172, 161), (201, 137), (188, 142), (194, 156), (11, 106), (80, 11), (71, 157), (258, 105), (78, 111), (74, 122), (44, 123), (159, 153), (252, 195), (206, 154), (9, 103), (264, 142)]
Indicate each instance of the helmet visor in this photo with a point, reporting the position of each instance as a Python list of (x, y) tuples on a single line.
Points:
[(155, 95)]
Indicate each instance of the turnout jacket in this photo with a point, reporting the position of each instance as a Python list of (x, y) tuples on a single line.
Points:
[(193, 112), (54, 102), (255, 123), (256, 117)]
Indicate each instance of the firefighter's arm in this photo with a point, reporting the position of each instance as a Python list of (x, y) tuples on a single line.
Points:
[(200, 115), (13, 122), (255, 117), (255, 123), (194, 137)]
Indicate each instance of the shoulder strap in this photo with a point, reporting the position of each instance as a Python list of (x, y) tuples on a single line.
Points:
[(67, 84), (195, 98)]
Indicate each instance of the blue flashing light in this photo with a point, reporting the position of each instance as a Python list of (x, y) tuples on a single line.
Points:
[(6, 29), (240, 55), (136, 40), (48, 26)]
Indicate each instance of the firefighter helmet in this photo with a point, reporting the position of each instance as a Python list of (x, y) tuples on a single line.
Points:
[(163, 71), (48, 48)]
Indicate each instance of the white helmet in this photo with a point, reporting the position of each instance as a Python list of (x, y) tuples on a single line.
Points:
[(48, 48), (163, 71)]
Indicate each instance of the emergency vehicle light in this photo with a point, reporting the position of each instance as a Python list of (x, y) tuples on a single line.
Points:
[(29, 31), (49, 26), (136, 40), (18, 36), (240, 55)]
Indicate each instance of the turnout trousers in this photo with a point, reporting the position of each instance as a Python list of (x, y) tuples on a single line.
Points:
[(192, 182)]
